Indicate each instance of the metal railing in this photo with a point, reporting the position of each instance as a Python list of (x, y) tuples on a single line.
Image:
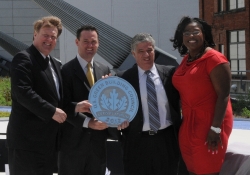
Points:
[(240, 85)]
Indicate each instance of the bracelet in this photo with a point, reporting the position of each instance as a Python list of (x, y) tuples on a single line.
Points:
[(215, 129)]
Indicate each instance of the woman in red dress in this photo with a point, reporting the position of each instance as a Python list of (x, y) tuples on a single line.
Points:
[(203, 81)]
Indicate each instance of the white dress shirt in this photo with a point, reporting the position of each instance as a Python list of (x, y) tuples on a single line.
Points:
[(163, 105)]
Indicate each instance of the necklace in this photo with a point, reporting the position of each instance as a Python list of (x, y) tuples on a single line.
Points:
[(190, 58)]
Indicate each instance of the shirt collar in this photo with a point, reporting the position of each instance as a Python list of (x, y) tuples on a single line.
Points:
[(44, 55), (83, 62), (141, 71)]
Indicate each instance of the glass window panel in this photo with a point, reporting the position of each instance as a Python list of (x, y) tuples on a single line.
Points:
[(234, 66), (242, 36), (237, 51), (232, 4), (242, 66), (241, 51), (241, 3), (233, 37), (233, 51)]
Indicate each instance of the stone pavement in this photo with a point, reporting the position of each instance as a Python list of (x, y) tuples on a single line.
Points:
[(238, 137)]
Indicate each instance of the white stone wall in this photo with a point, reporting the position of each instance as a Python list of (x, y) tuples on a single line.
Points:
[(157, 17), (16, 20)]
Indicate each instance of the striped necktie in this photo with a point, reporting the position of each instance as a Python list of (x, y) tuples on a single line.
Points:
[(153, 112)]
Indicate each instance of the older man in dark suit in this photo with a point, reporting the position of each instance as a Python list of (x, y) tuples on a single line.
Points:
[(36, 91), (150, 144)]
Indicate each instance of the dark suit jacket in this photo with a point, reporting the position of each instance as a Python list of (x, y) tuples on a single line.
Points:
[(165, 73), (131, 136), (34, 101), (76, 89)]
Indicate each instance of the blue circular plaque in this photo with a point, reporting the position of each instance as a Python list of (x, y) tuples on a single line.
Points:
[(113, 100)]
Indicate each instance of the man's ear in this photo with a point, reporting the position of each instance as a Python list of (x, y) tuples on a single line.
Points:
[(133, 53), (34, 35)]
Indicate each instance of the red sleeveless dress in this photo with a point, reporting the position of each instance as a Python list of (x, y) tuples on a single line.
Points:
[(198, 99)]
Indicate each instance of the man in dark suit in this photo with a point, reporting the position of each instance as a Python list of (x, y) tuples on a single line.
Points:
[(147, 149), (83, 148), (36, 91)]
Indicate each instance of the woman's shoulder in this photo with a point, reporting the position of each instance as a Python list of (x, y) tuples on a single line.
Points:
[(214, 52), (215, 58)]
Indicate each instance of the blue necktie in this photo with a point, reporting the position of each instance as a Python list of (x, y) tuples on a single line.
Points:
[(154, 119)]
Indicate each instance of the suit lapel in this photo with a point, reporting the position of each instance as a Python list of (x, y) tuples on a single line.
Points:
[(162, 74), (135, 80), (80, 73), (44, 66), (98, 72)]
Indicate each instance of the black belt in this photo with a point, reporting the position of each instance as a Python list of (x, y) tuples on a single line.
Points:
[(151, 132)]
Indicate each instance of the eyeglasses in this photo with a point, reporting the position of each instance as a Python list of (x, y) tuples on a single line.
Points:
[(195, 33)]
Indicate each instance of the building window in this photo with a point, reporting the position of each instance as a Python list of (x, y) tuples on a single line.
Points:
[(236, 4), (221, 48), (220, 5), (237, 52)]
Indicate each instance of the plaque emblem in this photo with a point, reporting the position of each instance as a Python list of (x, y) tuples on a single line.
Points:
[(113, 101)]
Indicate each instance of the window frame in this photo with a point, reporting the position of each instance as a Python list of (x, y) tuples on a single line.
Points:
[(237, 59), (220, 6), (237, 5), (222, 49)]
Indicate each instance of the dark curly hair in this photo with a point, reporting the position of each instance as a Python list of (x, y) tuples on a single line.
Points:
[(178, 37)]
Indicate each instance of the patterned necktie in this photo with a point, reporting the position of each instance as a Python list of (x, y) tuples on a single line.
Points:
[(90, 76), (153, 112)]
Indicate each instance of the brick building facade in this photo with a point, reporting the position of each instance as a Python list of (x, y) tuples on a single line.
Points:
[(230, 26)]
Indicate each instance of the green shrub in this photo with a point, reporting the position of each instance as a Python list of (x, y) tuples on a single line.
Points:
[(4, 114), (243, 101), (5, 94), (245, 112)]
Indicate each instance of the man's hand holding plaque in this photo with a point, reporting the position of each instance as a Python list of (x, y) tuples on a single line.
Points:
[(97, 125), (83, 106)]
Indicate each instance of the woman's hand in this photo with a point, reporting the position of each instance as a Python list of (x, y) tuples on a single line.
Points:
[(213, 142)]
